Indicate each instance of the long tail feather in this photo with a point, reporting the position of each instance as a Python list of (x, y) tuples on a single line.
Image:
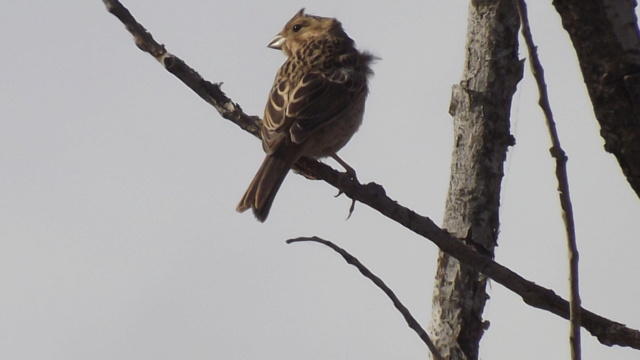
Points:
[(265, 185)]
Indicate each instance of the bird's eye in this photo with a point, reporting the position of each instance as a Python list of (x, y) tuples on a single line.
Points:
[(297, 27)]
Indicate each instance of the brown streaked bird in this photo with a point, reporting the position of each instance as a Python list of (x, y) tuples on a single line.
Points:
[(315, 106)]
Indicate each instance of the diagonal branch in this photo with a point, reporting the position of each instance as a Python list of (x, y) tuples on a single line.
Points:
[(208, 91), (563, 181), (608, 332), (350, 259)]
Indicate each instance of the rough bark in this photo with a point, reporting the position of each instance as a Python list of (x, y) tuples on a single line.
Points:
[(606, 39), (480, 105)]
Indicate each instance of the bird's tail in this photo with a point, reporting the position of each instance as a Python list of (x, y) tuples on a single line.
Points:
[(264, 187)]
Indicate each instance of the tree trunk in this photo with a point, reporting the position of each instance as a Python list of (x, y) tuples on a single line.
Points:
[(605, 36), (481, 106)]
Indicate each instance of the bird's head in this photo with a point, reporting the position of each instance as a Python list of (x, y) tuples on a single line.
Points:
[(303, 27)]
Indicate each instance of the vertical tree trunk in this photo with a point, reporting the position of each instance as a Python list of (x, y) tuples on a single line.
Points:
[(481, 106), (605, 36)]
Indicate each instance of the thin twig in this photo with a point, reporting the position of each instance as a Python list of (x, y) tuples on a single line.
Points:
[(563, 183), (350, 259), (607, 331)]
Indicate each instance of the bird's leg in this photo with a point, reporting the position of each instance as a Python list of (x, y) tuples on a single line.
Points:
[(348, 169), (350, 174)]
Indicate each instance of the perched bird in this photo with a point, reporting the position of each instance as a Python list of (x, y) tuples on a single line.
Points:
[(315, 106)]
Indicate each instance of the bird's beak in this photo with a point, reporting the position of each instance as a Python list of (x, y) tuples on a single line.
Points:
[(277, 42)]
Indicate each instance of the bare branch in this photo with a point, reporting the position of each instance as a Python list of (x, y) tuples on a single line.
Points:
[(373, 195), (208, 91), (350, 259), (563, 182)]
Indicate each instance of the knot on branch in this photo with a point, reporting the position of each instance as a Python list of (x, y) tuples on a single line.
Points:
[(373, 189)]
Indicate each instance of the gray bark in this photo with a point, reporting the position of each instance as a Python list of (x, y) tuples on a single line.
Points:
[(480, 105)]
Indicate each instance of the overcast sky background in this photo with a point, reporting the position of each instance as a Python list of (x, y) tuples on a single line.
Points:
[(118, 232)]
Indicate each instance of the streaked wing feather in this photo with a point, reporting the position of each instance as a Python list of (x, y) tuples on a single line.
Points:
[(274, 116), (304, 103)]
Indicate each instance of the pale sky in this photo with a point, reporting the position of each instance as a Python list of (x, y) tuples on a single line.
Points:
[(118, 232)]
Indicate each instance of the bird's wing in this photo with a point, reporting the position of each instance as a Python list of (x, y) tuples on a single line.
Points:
[(295, 110), (316, 101), (323, 94), (275, 123), (298, 105)]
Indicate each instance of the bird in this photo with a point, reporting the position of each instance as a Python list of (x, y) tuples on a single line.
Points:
[(315, 105)]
